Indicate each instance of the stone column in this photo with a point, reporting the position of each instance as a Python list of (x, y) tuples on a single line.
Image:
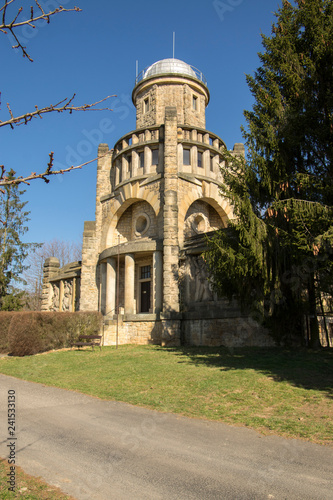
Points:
[(157, 281), (110, 300), (129, 283), (206, 162), (148, 156), (123, 168), (135, 164)]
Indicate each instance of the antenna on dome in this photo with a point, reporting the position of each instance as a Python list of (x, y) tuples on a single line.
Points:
[(173, 45), (136, 69)]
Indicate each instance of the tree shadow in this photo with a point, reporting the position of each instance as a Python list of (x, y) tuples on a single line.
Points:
[(302, 368)]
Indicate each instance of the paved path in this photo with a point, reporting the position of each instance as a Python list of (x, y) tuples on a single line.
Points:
[(106, 450)]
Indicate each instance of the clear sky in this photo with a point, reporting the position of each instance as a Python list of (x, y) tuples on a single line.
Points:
[(93, 54)]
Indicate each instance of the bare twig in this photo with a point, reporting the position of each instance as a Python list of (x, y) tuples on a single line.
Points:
[(60, 107), (5, 181), (9, 26)]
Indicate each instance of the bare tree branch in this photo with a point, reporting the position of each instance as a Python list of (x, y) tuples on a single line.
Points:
[(60, 107), (5, 181), (9, 26)]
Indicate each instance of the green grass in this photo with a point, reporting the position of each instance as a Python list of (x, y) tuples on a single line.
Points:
[(27, 487), (272, 390)]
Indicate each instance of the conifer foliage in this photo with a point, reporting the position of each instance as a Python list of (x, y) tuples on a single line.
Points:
[(276, 256), (13, 250)]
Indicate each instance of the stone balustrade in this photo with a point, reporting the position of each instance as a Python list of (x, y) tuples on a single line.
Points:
[(140, 153)]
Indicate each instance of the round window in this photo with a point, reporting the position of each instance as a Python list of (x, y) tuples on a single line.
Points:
[(141, 224), (199, 224)]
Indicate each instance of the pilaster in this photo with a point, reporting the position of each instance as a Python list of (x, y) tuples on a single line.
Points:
[(157, 281), (89, 290), (170, 330)]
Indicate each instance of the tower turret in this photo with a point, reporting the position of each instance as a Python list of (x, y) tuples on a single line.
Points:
[(170, 82)]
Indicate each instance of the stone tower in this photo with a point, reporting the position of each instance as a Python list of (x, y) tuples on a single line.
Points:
[(159, 187), (157, 195)]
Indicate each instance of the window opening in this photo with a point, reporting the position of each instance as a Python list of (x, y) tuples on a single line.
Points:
[(146, 105), (200, 159), (154, 160), (195, 103), (211, 163), (129, 163), (186, 157), (142, 159), (141, 224), (145, 272)]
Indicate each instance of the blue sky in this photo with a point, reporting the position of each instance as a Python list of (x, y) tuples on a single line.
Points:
[(93, 54)]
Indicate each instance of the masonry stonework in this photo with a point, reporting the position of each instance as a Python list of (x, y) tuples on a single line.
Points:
[(157, 195)]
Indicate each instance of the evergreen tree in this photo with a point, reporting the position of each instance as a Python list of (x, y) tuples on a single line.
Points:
[(13, 251), (277, 257)]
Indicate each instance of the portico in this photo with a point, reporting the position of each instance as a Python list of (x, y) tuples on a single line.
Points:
[(140, 279)]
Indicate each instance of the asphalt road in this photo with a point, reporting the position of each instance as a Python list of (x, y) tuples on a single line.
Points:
[(105, 450)]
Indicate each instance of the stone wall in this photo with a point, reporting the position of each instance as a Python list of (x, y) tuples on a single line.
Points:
[(133, 332), (178, 92), (228, 332)]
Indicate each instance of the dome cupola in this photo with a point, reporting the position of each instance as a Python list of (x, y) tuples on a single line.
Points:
[(171, 66)]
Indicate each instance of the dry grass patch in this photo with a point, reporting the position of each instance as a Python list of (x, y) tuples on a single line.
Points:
[(28, 487)]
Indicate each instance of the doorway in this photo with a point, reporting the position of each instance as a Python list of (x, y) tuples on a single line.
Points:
[(145, 296)]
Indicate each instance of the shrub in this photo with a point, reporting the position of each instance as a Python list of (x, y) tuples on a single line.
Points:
[(34, 332), (5, 319)]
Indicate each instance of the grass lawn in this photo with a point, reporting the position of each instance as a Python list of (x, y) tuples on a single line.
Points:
[(272, 390), (27, 487)]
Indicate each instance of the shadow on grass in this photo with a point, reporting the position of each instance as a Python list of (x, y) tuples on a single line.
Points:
[(302, 368)]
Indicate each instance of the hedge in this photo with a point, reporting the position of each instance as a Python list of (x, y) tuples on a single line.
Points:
[(34, 332), (5, 319)]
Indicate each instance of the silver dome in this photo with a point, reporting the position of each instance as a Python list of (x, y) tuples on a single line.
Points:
[(171, 66)]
